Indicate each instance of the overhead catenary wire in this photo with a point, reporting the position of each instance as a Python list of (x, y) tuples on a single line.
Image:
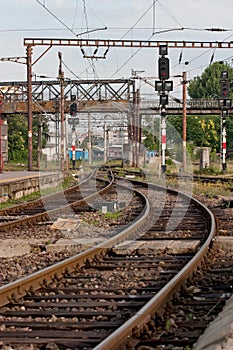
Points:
[(91, 63), (75, 14), (56, 17), (133, 27), (64, 24)]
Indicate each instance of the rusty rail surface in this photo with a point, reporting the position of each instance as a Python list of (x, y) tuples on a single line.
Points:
[(144, 315), (31, 283)]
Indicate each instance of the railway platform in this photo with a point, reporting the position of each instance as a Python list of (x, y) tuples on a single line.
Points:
[(219, 335), (16, 184), (14, 176)]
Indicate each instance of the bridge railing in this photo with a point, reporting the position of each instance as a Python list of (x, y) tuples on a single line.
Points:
[(197, 103)]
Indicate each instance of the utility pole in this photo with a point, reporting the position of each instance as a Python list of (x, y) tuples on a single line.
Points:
[(62, 116), (29, 93), (105, 143), (39, 141), (89, 139), (184, 82), (138, 128)]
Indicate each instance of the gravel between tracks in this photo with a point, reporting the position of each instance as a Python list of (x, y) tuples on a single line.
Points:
[(24, 253), (27, 251)]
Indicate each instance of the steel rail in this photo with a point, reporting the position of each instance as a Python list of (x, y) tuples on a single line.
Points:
[(144, 315), (22, 286)]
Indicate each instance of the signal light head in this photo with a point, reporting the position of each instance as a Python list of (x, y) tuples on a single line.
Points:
[(224, 75), (224, 88), (163, 100), (163, 50), (163, 68), (73, 108)]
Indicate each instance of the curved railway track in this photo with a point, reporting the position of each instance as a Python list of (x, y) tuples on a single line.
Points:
[(109, 295), (75, 198)]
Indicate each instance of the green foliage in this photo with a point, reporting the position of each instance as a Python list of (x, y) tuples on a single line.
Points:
[(208, 84), (151, 133), (202, 131), (112, 215), (211, 170), (18, 136), (229, 130)]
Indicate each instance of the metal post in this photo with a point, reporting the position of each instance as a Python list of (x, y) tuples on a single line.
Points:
[(105, 141), (138, 128), (29, 96), (89, 139), (61, 79), (224, 113), (184, 82), (39, 141), (73, 148), (163, 140)]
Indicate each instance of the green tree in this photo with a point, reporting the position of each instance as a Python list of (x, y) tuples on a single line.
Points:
[(150, 133), (208, 84), (202, 131), (18, 137)]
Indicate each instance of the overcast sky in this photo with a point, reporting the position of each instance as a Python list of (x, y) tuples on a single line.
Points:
[(128, 19)]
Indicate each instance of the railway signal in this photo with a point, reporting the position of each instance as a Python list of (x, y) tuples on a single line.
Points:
[(164, 68), (163, 86), (224, 88), (163, 99), (73, 108)]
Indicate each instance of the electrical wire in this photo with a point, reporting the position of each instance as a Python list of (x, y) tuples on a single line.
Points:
[(85, 13), (58, 19), (128, 31), (74, 74), (75, 14), (129, 59), (140, 18), (169, 13), (96, 15)]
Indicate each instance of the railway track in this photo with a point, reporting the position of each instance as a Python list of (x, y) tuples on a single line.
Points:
[(112, 293), (50, 207)]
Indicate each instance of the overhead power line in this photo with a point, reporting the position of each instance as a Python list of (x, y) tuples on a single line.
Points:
[(63, 23), (58, 19)]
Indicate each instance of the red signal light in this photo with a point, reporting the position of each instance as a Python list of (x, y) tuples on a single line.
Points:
[(163, 68)]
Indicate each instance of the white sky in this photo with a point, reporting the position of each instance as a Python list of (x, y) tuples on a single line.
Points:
[(128, 19)]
